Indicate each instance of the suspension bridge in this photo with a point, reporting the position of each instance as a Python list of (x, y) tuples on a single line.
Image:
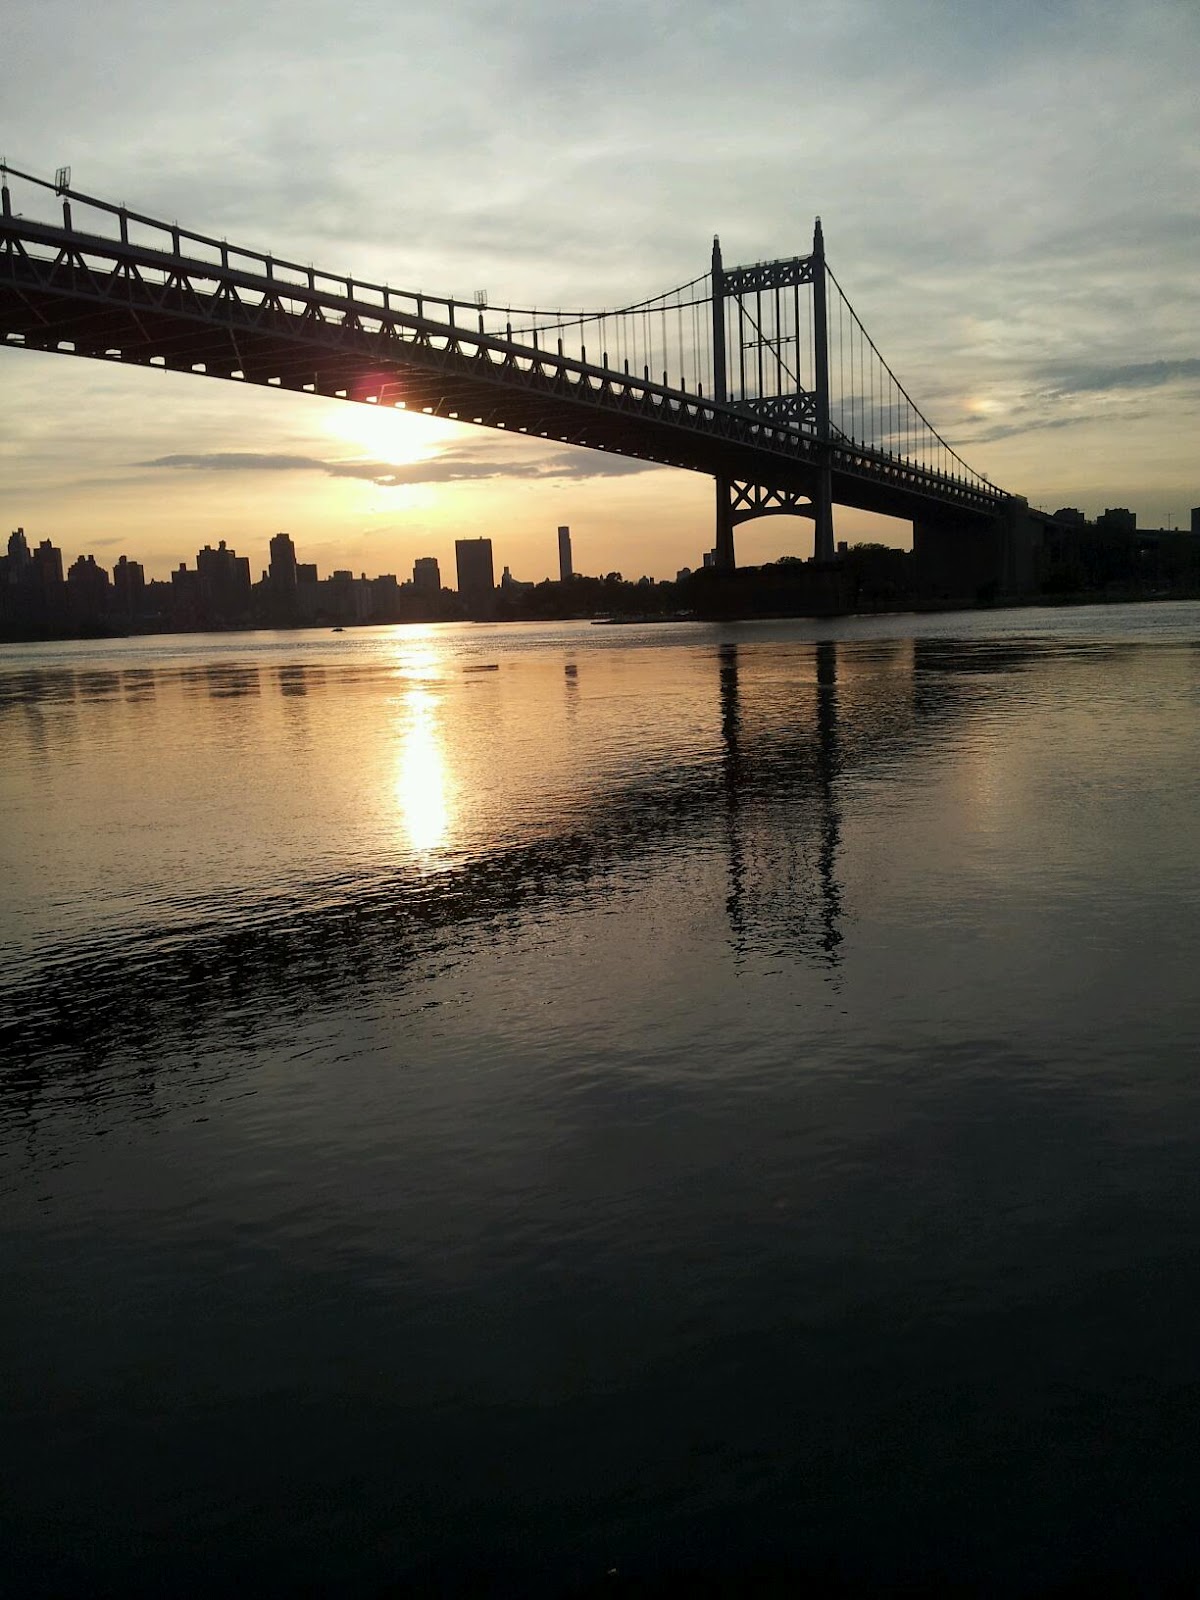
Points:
[(762, 376)]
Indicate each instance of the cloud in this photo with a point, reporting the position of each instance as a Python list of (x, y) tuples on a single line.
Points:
[(1066, 398), (1013, 430), (1132, 375), (447, 468), (1008, 201)]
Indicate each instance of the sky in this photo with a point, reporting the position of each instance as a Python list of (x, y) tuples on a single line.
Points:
[(1010, 196)]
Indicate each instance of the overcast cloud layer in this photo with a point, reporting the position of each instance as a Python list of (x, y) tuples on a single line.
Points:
[(1010, 194)]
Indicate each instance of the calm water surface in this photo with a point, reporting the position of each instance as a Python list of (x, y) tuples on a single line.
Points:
[(485, 1107)]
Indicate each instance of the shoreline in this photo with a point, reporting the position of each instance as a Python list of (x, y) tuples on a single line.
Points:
[(913, 607)]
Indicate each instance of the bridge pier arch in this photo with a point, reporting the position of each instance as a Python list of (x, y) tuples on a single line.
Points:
[(739, 500)]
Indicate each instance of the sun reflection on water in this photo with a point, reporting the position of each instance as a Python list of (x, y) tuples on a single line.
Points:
[(418, 657), (421, 787)]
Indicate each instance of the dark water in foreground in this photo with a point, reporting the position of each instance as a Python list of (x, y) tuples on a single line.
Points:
[(495, 1106)]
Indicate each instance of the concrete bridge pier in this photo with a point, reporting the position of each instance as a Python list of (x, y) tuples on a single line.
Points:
[(726, 560), (822, 502), (1023, 538), (978, 558)]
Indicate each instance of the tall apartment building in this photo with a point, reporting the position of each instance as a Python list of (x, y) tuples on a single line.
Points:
[(224, 583), (565, 569), (47, 561), (427, 575), (283, 564), (129, 587), (476, 578)]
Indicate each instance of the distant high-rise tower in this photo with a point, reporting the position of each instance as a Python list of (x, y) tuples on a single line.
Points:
[(427, 577), (224, 583), (47, 558), (1196, 519), (283, 564), (565, 570), (18, 552), (476, 579), (129, 586), (88, 588)]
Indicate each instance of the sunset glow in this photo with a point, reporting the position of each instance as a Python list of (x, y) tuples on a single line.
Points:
[(997, 282), (385, 433)]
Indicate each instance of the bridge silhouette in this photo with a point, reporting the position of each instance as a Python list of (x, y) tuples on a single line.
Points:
[(761, 376)]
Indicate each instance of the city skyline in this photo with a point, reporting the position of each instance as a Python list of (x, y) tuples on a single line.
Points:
[(423, 568), (44, 593), (1005, 199)]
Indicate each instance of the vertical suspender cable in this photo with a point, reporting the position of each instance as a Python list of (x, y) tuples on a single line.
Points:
[(741, 349), (801, 370), (759, 331), (780, 346)]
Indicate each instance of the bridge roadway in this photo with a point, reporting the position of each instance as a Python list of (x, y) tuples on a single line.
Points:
[(202, 306)]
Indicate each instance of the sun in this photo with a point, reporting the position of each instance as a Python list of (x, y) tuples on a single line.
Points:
[(382, 433)]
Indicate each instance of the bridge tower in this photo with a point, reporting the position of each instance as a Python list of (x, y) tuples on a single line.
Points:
[(724, 540), (738, 500), (823, 498)]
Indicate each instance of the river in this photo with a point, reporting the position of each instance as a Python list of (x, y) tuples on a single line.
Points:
[(522, 1110)]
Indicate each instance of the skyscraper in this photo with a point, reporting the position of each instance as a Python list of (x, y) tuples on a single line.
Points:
[(565, 570), (283, 564), (129, 587), (476, 580), (48, 561), (88, 589), (283, 598), (224, 583), (18, 553), (427, 576)]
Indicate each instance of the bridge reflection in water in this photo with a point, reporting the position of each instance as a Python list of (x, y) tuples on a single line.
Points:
[(792, 894)]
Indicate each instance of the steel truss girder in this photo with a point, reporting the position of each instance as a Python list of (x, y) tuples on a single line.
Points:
[(798, 410), (750, 500), (789, 273), (191, 335)]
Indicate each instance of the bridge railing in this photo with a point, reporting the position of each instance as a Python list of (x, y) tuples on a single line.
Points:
[(624, 339)]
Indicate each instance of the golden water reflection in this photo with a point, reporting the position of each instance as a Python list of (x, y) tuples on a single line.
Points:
[(418, 657), (421, 785)]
